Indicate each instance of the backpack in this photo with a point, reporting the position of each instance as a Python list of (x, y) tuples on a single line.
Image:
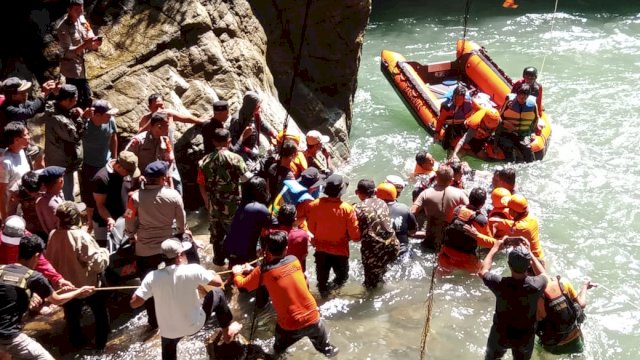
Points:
[(563, 317), (17, 279), (454, 235)]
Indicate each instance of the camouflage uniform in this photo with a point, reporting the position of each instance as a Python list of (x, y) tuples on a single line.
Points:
[(223, 171), (379, 246)]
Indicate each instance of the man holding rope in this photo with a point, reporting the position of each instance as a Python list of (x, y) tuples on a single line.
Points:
[(179, 311)]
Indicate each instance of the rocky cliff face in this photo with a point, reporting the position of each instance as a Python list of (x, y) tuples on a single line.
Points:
[(196, 51), (323, 94)]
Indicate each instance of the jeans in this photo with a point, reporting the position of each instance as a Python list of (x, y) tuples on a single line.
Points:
[(24, 347), (214, 301), (147, 264)]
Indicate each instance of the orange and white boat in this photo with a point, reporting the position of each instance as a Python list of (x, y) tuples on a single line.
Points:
[(423, 88)]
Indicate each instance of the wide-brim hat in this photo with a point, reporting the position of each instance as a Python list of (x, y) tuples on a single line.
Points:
[(336, 185), (311, 178), (14, 85), (129, 162)]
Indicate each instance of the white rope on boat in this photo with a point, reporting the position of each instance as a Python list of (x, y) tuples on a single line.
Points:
[(553, 21)]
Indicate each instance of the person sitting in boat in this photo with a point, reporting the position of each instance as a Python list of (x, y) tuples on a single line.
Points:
[(530, 76), (519, 121), (453, 114), (480, 128)]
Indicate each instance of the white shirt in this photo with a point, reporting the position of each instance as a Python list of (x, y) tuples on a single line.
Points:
[(12, 167), (174, 289)]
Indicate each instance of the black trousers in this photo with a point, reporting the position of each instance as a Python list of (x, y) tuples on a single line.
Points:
[(317, 333), (147, 264), (84, 92), (498, 344), (214, 301), (510, 142), (73, 312), (325, 263)]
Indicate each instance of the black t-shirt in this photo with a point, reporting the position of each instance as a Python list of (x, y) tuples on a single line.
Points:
[(276, 175), (108, 182), (403, 221), (516, 303), (14, 301)]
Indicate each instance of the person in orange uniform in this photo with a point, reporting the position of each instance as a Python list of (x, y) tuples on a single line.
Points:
[(296, 309), (499, 212), (299, 162), (523, 223), (481, 126), (459, 248), (425, 165), (453, 113), (332, 222)]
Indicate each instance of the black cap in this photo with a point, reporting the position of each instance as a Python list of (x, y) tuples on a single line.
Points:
[(220, 105), (311, 178), (67, 91), (156, 169), (336, 185), (51, 173), (76, 2), (519, 259), (103, 107)]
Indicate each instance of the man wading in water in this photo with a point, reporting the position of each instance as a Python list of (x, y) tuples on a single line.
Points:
[(179, 311)]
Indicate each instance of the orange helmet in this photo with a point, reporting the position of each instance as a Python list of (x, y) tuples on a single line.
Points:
[(496, 196), (386, 191), (516, 203), (492, 118)]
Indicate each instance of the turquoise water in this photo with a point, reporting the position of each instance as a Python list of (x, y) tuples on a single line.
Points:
[(584, 192)]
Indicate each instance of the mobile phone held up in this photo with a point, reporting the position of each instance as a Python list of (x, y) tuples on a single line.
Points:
[(512, 241)]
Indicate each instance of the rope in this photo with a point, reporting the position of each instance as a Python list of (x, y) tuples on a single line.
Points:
[(553, 22), (430, 296), (296, 69), (465, 21), (618, 296)]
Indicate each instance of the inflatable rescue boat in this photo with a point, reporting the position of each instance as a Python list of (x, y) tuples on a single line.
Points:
[(423, 88)]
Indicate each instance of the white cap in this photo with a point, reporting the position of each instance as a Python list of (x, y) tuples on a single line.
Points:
[(173, 247), (395, 180), (314, 137), (13, 230)]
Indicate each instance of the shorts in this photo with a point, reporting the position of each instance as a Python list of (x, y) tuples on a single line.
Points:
[(24, 347)]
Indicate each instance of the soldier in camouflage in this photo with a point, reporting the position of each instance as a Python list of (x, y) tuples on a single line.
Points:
[(380, 247), (219, 177)]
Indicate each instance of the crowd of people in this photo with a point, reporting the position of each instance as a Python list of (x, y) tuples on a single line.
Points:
[(473, 123), (269, 195)]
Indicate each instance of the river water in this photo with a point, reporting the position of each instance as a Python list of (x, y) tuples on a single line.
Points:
[(584, 192)]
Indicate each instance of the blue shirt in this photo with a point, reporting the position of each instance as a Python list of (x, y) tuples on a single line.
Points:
[(96, 143), (245, 230)]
